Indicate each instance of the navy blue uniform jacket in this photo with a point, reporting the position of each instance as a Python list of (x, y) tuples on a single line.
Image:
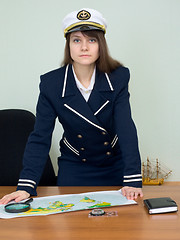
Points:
[(99, 145)]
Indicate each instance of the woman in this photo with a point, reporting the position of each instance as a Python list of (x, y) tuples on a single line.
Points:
[(89, 96)]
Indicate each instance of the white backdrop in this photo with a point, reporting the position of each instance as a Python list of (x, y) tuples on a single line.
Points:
[(143, 34)]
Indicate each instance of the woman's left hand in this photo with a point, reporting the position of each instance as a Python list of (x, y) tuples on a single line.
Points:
[(131, 193)]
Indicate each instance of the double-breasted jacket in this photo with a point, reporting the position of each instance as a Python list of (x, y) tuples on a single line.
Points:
[(99, 145)]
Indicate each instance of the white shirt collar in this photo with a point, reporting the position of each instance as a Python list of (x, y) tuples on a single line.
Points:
[(79, 84)]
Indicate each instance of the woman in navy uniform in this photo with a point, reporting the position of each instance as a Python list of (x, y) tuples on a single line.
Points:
[(89, 96)]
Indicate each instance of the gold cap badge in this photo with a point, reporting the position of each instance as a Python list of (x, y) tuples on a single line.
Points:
[(83, 15)]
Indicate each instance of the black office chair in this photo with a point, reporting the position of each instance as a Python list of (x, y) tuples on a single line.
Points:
[(15, 127)]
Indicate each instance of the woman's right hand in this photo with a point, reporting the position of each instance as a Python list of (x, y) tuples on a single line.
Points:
[(16, 196)]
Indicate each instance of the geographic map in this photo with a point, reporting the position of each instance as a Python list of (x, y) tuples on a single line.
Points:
[(70, 202)]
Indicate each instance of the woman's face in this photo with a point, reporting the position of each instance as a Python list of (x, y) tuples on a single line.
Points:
[(84, 50)]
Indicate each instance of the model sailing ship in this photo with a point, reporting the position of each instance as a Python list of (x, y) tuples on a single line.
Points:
[(153, 173)]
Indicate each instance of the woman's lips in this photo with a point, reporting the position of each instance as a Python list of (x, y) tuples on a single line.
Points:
[(84, 55)]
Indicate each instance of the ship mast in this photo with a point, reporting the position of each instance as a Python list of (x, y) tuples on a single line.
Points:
[(143, 171), (147, 167), (157, 168)]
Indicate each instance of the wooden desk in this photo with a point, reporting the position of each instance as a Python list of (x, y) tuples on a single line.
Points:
[(132, 222)]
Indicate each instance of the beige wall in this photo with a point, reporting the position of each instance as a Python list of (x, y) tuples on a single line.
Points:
[(143, 34)]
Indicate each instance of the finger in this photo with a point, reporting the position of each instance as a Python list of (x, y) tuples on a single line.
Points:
[(141, 194), (16, 196), (136, 195), (123, 191), (2, 200), (128, 195), (126, 192), (22, 196), (131, 195), (7, 198)]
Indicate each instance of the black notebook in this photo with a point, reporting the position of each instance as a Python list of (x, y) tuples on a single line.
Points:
[(160, 205)]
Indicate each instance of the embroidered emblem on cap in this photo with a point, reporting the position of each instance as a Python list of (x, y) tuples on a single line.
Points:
[(83, 15)]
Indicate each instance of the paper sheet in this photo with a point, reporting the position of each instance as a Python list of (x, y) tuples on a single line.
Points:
[(70, 202)]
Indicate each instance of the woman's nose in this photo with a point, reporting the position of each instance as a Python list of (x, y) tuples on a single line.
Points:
[(84, 46)]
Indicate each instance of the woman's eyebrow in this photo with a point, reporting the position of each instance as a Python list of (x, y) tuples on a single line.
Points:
[(76, 36)]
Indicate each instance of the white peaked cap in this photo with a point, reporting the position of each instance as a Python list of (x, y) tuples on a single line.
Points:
[(84, 20)]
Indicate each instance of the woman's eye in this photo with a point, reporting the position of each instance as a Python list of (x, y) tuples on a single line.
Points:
[(92, 40), (76, 40)]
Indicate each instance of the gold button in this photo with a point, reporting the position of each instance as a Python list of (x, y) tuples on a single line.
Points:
[(82, 149), (84, 160), (79, 136), (108, 153), (103, 133), (106, 143)]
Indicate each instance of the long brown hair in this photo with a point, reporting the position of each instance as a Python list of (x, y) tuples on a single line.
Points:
[(105, 63)]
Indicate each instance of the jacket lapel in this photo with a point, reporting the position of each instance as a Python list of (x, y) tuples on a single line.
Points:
[(75, 102), (101, 94)]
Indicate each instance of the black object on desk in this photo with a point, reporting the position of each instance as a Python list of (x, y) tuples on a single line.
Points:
[(160, 205)]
